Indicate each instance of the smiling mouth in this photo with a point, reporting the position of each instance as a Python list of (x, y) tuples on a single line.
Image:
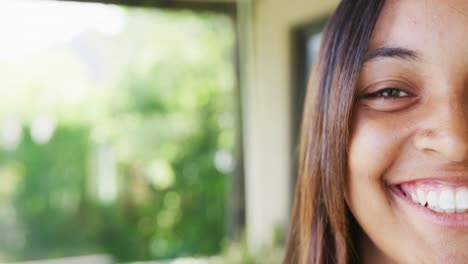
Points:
[(436, 196)]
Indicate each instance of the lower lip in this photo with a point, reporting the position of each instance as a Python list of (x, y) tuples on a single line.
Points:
[(453, 220)]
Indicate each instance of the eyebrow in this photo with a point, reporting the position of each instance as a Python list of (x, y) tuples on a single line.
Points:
[(392, 52)]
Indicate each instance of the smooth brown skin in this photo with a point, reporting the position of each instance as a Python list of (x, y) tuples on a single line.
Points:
[(420, 133)]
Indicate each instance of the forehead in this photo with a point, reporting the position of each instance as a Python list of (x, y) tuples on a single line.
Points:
[(431, 27)]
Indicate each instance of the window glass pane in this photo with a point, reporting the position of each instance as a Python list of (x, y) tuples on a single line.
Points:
[(313, 46)]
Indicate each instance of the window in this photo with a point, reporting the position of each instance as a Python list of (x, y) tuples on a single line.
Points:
[(307, 40)]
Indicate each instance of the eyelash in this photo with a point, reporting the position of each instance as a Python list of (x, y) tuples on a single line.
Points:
[(387, 93)]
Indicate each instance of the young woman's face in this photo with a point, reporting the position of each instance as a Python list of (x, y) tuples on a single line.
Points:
[(408, 161)]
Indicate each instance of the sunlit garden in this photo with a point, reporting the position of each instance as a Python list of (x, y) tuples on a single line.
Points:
[(117, 131)]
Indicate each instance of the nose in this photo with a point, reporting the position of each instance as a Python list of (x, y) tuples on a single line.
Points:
[(445, 132)]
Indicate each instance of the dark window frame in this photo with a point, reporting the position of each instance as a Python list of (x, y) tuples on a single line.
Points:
[(300, 37), (226, 6)]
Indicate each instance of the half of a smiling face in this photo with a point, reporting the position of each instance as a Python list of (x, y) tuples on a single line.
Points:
[(407, 183)]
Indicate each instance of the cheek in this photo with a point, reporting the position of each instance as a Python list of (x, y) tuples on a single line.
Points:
[(371, 153), (376, 144), (375, 147)]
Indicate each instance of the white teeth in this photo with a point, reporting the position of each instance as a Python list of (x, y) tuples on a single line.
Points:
[(447, 200), (432, 199), (421, 197), (461, 200)]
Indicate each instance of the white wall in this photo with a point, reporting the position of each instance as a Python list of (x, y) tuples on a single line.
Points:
[(267, 92)]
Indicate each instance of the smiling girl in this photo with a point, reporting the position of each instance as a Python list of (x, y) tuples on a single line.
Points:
[(383, 169)]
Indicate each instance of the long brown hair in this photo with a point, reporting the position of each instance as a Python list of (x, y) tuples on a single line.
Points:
[(322, 229)]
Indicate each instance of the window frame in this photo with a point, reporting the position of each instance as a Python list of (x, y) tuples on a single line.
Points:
[(301, 35)]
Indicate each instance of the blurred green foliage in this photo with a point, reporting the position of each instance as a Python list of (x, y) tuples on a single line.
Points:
[(237, 252), (160, 116)]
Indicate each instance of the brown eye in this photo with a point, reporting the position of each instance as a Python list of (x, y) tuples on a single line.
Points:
[(387, 93), (388, 100)]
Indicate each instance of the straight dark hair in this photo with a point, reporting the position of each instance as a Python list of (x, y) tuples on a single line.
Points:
[(322, 228)]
